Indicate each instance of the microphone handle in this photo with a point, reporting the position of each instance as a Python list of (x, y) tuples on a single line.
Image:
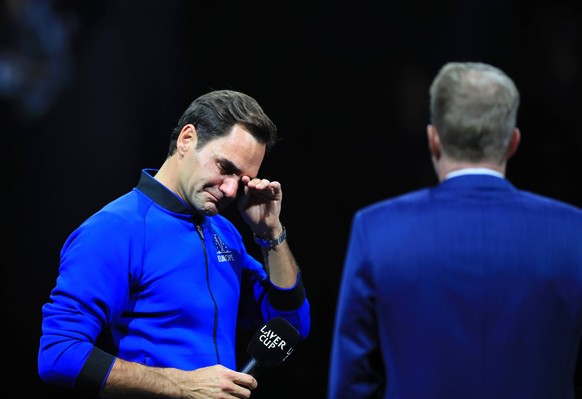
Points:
[(252, 367)]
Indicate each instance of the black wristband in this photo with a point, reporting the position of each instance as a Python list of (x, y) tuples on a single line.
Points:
[(94, 372), (287, 299)]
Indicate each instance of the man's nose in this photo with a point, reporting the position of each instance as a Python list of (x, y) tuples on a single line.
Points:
[(230, 187)]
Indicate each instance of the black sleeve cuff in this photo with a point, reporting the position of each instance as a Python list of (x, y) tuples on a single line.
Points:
[(287, 299), (94, 372)]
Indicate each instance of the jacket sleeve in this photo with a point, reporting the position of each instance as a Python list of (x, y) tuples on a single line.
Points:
[(356, 370), (91, 289), (271, 301)]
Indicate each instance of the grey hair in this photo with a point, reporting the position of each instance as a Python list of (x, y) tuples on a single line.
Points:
[(474, 108)]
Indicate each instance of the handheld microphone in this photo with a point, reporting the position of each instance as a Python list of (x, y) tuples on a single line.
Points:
[(270, 346)]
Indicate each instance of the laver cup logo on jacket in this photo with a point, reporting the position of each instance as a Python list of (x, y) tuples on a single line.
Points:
[(223, 254)]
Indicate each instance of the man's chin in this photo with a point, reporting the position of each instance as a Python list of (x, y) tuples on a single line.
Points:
[(214, 208), (211, 211)]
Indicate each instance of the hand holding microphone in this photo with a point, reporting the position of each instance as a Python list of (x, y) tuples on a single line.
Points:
[(270, 346)]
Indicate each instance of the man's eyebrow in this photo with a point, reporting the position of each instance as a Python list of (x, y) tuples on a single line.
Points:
[(228, 167)]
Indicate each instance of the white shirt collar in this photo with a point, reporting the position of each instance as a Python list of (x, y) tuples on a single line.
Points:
[(474, 171)]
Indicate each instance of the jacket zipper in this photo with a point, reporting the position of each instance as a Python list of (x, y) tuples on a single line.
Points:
[(215, 328)]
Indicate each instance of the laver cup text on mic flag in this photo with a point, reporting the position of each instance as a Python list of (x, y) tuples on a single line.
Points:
[(270, 345), (272, 340)]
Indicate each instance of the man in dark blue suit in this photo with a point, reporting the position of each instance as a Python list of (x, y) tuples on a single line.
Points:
[(471, 289)]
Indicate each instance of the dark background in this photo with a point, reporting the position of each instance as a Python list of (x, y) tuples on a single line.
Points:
[(90, 91)]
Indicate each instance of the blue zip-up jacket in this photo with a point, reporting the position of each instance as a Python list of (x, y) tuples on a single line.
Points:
[(165, 283)]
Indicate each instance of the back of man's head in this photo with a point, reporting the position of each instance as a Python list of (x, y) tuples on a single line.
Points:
[(474, 108)]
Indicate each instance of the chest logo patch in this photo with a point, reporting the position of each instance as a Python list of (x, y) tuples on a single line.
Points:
[(223, 253)]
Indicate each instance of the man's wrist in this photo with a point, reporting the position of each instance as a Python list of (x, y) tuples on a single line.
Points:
[(270, 244)]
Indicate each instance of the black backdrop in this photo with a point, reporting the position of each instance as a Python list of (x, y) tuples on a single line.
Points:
[(346, 82)]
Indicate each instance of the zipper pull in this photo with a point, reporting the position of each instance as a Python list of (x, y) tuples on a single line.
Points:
[(200, 231)]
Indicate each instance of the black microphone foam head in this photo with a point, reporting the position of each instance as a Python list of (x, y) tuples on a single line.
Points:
[(273, 342)]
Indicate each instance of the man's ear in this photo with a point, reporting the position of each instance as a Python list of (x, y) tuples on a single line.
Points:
[(434, 142), (514, 143), (187, 138)]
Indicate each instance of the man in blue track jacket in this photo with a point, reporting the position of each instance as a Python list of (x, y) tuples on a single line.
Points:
[(471, 289), (167, 277)]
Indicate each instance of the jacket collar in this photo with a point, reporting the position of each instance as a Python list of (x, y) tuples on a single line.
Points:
[(163, 196)]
